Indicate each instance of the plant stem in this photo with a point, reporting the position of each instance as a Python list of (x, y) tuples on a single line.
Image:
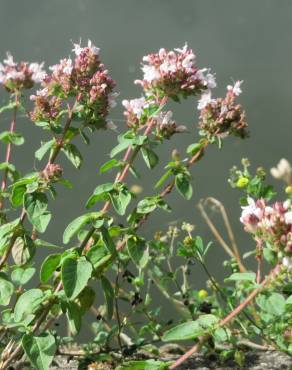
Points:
[(227, 319), (232, 253), (9, 148)]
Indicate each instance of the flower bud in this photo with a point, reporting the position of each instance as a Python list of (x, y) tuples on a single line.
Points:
[(202, 294), (242, 182)]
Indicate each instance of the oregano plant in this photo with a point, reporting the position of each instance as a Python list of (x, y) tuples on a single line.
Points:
[(105, 265)]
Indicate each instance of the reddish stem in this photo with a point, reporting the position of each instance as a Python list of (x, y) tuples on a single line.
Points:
[(227, 319), (9, 149)]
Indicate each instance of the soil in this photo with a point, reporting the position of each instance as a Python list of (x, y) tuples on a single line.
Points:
[(254, 360)]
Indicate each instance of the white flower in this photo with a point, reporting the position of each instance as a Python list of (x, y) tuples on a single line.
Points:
[(207, 78), (183, 50), (287, 262), (188, 61), (205, 100), (250, 209), (9, 60), (150, 73), (168, 66), (38, 73), (287, 204), (77, 48), (235, 88), (136, 106), (283, 171), (288, 217), (93, 48)]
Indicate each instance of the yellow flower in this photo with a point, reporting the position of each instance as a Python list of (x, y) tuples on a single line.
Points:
[(242, 182), (202, 293)]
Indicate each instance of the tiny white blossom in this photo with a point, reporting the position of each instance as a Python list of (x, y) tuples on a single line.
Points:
[(183, 50), (208, 79), (38, 73), (235, 88), (136, 106), (206, 99), (9, 60), (287, 262), (150, 73), (188, 61), (283, 171), (288, 217), (168, 66), (93, 48)]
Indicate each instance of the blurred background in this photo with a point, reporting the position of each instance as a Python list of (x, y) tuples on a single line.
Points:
[(246, 40)]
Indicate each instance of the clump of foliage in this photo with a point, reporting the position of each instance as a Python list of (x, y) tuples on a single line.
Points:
[(74, 99)]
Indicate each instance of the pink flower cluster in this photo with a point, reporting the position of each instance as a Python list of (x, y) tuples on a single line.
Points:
[(17, 76), (270, 224), (222, 117), (86, 79), (136, 114), (174, 74), (135, 111)]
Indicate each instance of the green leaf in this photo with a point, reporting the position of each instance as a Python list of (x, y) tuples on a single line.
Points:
[(6, 232), (108, 165), (108, 241), (74, 316), (108, 295), (40, 350), (11, 138), (274, 304), (49, 266), (76, 225), (144, 365), (100, 193), (183, 185), (207, 321), (23, 250), (289, 300), (163, 178), (9, 106), (17, 195), (147, 205), (36, 205), (22, 275), (242, 276), (86, 299), (194, 148), (119, 148), (28, 179), (138, 251), (75, 275), (45, 147), (150, 157), (73, 154), (96, 253), (120, 200), (6, 290), (42, 243), (27, 304), (187, 330)]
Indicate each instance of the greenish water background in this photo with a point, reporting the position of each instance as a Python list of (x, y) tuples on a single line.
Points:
[(248, 40)]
